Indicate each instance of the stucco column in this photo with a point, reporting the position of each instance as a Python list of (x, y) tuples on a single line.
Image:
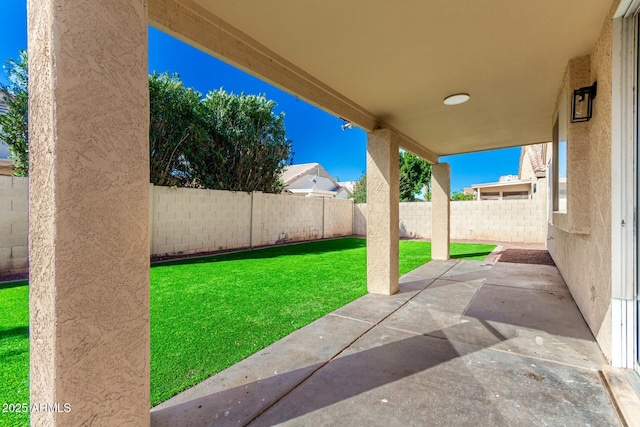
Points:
[(383, 209), (440, 224), (89, 211)]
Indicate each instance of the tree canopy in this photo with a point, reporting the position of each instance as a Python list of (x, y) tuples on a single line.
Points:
[(360, 190), (245, 146), (415, 175), (14, 129), (224, 141), (175, 128), (461, 196)]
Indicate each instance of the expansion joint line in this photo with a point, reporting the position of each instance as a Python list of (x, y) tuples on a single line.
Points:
[(323, 364)]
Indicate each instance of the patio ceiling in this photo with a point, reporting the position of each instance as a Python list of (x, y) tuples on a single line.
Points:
[(391, 63)]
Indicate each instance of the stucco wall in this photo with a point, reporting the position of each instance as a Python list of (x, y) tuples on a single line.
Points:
[(584, 259), (523, 221), (13, 223)]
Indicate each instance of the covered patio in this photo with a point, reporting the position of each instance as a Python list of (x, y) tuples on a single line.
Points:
[(461, 343), (385, 67)]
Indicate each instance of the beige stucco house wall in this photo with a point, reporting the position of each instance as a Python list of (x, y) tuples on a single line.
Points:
[(580, 240)]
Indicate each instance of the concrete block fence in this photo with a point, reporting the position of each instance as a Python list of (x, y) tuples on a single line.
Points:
[(186, 220), (14, 224), (518, 221)]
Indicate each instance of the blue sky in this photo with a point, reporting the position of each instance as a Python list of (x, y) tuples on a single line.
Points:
[(316, 135)]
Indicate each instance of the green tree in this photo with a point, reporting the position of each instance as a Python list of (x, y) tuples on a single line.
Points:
[(461, 195), (14, 129), (245, 148), (175, 129), (360, 190), (415, 175), (226, 141)]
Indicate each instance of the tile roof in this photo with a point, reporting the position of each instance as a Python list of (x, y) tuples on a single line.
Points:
[(535, 157), (291, 173)]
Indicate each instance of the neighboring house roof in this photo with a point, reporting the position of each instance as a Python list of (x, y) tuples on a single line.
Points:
[(535, 153), (293, 172), (347, 185), (502, 184), (309, 179), (535, 156), (345, 190)]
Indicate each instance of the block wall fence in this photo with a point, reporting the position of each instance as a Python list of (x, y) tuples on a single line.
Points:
[(14, 224), (516, 221), (186, 220)]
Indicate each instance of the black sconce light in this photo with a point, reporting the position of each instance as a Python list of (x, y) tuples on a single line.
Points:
[(582, 103)]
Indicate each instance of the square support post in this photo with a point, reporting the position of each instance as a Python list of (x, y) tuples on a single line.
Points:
[(440, 218), (89, 212), (383, 212)]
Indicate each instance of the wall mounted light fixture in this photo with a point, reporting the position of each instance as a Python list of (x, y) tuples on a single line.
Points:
[(582, 103)]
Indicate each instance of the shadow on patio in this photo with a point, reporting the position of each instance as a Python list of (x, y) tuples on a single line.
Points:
[(463, 343)]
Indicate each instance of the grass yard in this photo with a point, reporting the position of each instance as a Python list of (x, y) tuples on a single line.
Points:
[(14, 349), (209, 313)]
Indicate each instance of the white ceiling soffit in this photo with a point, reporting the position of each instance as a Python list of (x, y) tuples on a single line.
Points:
[(392, 63)]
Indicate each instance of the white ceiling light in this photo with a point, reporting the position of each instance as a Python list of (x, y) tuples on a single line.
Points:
[(458, 98)]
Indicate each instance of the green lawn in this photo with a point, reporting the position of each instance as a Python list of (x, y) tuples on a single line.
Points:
[(209, 313), (14, 349)]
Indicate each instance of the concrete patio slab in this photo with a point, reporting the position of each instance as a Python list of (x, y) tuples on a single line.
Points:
[(468, 270), (529, 276), (430, 270), (547, 326), (373, 308), (391, 377), (550, 311), (508, 274), (524, 341), (238, 394), (453, 349), (437, 307)]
